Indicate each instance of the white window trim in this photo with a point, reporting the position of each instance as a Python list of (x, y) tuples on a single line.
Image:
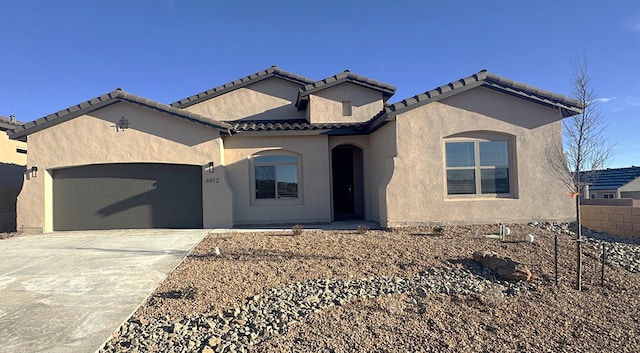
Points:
[(484, 137), (274, 202)]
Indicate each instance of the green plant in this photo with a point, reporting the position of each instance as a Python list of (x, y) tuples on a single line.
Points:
[(190, 292), (362, 229), (438, 230), (297, 229)]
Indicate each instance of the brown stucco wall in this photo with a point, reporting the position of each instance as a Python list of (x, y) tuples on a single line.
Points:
[(270, 99), (416, 193), (620, 220), (314, 202), (326, 106), (92, 139)]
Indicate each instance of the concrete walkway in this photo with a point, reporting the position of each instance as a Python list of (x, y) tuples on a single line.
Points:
[(69, 291)]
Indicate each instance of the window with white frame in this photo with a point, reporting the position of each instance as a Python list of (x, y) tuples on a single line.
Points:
[(477, 166), (276, 177)]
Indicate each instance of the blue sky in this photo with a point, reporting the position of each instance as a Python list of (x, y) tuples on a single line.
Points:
[(59, 53)]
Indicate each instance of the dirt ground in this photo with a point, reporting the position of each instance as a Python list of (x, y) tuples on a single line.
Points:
[(547, 319)]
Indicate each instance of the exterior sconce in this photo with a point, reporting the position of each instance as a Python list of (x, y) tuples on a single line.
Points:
[(122, 124), (34, 171), (210, 167)]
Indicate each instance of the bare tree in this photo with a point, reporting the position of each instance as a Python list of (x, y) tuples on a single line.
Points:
[(585, 149)]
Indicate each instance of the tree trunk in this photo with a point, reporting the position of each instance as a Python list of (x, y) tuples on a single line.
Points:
[(578, 246)]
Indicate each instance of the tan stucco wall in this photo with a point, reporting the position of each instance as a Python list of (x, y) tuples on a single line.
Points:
[(314, 203), (326, 106), (383, 152), (269, 99), (416, 193), (8, 148), (631, 186), (92, 139), (12, 166)]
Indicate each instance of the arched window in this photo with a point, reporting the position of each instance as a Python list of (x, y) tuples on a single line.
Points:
[(479, 165), (276, 176)]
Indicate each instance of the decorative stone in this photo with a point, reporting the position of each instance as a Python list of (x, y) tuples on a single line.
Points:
[(503, 266)]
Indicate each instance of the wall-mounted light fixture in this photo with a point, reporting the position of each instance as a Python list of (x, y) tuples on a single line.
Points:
[(122, 124), (34, 171), (210, 167)]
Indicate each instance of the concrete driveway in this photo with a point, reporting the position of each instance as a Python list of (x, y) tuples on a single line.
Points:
[(69, 291)]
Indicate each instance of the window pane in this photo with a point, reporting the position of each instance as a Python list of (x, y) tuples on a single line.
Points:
[(287, 181), (495, 181), (265, 182), (276, 159), (461, 181), (494, 154), (460, 154)]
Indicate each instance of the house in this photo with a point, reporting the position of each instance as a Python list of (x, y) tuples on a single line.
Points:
[(614, 183), (13, 158), (278, 148)]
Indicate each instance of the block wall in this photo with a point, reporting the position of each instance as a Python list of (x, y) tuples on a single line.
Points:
[(619, 220)]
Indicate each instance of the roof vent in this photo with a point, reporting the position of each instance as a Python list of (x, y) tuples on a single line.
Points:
[(347, 70), (12, 118), (119, 89)]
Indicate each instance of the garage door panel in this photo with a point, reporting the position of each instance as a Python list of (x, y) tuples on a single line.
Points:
[(117, 196)]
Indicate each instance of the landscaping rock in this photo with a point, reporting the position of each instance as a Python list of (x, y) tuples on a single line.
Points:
[(503, 266)]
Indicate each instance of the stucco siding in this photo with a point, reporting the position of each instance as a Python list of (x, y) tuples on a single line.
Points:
[(420, 164), (92, 139), (12, 167), (8, 149), (326, 106), (381, 170), (269, 99), (314, 199), (631, 186)]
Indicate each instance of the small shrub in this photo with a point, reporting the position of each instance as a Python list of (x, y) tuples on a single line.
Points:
[(297, 229), (190, 292), (362, 229)]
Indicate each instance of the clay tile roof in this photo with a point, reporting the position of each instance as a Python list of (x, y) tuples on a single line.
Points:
[(612, 179), (484, 78), (566, 105), (8, 123), (299, 125), (273, 71), (20, 132), (346, 76)]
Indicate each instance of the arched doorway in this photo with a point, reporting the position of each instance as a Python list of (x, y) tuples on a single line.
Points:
[(348, 185)]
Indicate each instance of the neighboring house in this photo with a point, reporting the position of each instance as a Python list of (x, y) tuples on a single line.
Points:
[(614, 183), (13, 158), (278, 148)]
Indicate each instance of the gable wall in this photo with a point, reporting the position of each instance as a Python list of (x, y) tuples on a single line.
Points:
[(633, 185), (420, 163), (92, 139), (269, 99), (325, 106)]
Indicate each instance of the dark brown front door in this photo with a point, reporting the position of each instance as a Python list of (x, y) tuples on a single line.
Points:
[(348, 198)]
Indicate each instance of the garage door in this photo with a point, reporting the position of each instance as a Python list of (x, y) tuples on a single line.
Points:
[(121, 196)]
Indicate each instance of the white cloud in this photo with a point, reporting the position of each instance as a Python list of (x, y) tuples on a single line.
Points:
[(605, 99)]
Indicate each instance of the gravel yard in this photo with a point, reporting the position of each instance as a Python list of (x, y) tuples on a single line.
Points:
[(410, 289)]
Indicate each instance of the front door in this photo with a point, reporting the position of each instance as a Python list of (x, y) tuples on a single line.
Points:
[(348, 191)]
